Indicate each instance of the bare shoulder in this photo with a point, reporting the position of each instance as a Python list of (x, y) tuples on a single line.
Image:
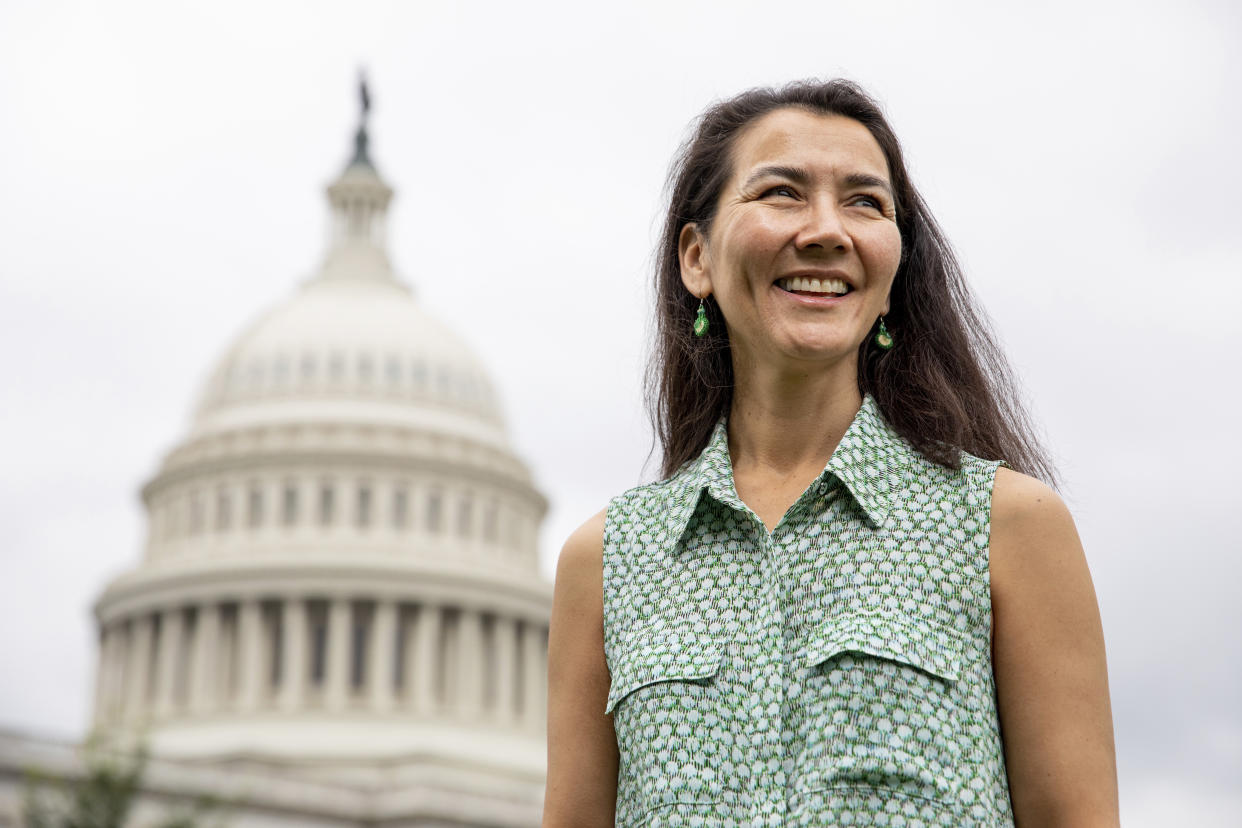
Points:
[(1035, 553), (1049, 660), (584, 549), (582, 750), (1029, 521), (578, 594), (580, 571), (1024, 503)]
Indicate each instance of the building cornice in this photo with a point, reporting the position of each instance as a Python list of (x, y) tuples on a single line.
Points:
[(500, 590)]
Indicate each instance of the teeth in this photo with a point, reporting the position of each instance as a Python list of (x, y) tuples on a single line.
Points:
[(815, 285)]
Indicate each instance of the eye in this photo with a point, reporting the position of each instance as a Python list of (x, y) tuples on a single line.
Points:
[(875, 201), (779, 189)]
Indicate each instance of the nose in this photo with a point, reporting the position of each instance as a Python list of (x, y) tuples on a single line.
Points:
[(823, 227)]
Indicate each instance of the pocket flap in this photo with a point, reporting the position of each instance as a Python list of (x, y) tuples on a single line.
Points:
[(931, 647), (649, 660)]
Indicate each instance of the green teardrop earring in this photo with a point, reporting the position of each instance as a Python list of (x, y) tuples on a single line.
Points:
[(700, 321), (883, 338)]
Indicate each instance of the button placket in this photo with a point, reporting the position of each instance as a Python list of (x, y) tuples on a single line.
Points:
[(770, 790)]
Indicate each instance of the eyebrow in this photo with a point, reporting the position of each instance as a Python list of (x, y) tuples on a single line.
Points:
[(800, 176)]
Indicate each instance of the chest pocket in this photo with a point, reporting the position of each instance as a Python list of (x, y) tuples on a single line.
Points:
[(665, 703), (882, 706)]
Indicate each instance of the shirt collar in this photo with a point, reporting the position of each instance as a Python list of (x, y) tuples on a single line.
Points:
[(869, 461)]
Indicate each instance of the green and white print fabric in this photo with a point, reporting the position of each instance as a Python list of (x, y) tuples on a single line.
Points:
[(834, 671)]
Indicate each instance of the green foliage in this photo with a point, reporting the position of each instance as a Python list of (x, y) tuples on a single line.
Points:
[(102, 796)]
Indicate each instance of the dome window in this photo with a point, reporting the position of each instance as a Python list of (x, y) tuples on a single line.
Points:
[(336, 367), (490, 514), (282, 369), (364, 368), (434, 500), (169, 529), (326, 498), (364, 505), (420, 374), (255, 378), (224, 504), (254, 508), (308, 367), (289, 511), (394, 370), (515, 531), (196, 513), (400, 507)]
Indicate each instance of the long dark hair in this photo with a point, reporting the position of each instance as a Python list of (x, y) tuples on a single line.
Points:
[(945, 387)]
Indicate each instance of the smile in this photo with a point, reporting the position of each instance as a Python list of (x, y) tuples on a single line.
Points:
[(813, 287)]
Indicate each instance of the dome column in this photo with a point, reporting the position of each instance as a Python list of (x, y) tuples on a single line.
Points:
[(469, 662), (505, 636), (293, 631), (409, 628), (382, 650), (205, 658), (533, 677), (340, 621), (250, 643), (139, 666), (117, 670), (167, 661), (106, 673), (427, 634)]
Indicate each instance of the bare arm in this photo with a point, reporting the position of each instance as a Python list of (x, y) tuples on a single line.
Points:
[(582, 746), (1048, 657)]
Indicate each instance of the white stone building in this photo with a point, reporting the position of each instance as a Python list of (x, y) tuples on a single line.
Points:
[(338, 617)]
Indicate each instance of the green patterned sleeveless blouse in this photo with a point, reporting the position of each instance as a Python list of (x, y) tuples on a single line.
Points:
[(834, 671)]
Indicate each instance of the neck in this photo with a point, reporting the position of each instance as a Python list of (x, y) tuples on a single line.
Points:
[(786, 421)]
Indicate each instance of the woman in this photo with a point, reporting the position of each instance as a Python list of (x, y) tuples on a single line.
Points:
[(851, 600)]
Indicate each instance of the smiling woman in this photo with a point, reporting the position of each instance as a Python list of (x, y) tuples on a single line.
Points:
[(850, 599), (804, 183)]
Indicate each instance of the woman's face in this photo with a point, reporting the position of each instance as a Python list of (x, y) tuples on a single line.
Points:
[(809, 198)]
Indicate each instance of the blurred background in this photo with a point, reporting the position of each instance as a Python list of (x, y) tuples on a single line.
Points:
[(161, 177)]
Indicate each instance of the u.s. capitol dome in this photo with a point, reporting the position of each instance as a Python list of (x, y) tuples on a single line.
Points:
[(339, 593)]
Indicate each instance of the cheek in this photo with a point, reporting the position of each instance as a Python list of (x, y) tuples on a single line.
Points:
[(753, 240), (883, 253)]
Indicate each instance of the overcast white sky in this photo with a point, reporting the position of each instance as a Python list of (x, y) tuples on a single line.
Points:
[(161, 176)]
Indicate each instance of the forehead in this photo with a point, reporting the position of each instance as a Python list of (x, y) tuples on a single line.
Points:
[(822, 143)]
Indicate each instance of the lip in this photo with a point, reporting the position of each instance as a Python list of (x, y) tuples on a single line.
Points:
[(822, 301)]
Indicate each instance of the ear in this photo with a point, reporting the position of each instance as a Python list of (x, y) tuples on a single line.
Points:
[(692, 253)]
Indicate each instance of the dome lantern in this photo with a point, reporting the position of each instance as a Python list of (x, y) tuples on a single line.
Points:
[(359, 198)]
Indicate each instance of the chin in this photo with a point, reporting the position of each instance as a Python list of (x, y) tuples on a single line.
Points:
[(820, 351)]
